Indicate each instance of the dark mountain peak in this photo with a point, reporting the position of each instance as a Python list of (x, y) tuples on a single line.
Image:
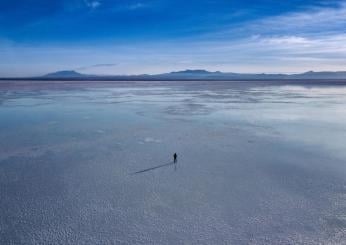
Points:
[(63, 74), (196, 72)]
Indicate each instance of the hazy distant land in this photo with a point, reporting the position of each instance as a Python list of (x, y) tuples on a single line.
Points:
[(186, 75)]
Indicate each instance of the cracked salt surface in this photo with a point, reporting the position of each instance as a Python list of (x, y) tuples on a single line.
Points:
[(258, 164)]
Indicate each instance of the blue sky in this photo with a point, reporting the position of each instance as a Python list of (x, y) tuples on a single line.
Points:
[(153, 36)]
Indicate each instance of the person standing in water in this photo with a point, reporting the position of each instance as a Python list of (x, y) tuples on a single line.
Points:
[(175, 156)]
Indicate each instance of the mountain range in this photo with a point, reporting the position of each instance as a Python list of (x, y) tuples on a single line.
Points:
[(191, 75)]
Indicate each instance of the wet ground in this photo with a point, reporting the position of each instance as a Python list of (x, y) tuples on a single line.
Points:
[(91, 163)]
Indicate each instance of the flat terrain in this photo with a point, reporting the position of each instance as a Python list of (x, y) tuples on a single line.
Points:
[(89, 162)]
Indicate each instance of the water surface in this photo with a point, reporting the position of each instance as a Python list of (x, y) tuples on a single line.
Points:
[(258, 163)]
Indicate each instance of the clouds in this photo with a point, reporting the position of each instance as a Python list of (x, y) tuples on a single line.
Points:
[(253, 54), (97, 65), (313, 21), (307, 39), (97, 68), (302, 22), (316, 34), (93, 4), (315, 44), (135, 6), (157, 36), (114, 6)]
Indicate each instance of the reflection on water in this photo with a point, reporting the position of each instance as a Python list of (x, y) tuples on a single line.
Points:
[(257, 163)]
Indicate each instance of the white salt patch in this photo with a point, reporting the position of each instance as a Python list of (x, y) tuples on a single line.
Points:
[(152, 140)]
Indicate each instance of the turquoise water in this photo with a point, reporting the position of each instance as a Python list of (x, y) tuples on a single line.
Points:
[(257, 163)]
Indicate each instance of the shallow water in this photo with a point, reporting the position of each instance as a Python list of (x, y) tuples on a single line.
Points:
[(257, 163)]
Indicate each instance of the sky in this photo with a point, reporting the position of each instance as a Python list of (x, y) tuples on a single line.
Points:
[(154, 36)]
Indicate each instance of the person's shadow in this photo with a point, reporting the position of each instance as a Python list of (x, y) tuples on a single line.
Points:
[(156, 167)]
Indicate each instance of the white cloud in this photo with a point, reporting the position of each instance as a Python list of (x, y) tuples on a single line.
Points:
[(136, 6), (131, 6), (326, 47), (287, 40), (93, 4), (299, 41), (316, 20)]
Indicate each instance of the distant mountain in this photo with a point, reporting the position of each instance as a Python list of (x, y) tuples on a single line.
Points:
[(190, 72), (192, 75), (193, 72), (65, 74), (321, 75), (203, 74)]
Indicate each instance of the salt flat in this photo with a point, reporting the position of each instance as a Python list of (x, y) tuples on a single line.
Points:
[(258, 163)]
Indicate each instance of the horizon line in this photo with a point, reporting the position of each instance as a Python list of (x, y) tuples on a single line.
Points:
[(170, 72)]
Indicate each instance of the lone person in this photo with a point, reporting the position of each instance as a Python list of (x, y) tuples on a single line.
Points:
[(175, 156)]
